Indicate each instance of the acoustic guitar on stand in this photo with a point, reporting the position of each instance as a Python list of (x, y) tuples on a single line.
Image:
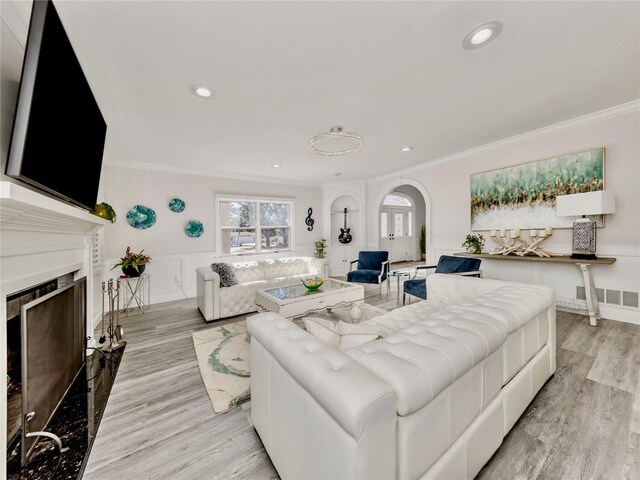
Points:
[(345, 236)]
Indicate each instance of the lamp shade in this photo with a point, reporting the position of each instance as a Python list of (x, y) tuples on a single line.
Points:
[(590, 203)]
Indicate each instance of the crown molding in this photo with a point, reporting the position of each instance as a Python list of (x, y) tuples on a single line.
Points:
[(619, 110), (155, 167)]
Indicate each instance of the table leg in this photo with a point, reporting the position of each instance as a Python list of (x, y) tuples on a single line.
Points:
[(590, 293)]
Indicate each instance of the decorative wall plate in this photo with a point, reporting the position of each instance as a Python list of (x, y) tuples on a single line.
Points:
[(141, 217), (194, 228), (177, 205)]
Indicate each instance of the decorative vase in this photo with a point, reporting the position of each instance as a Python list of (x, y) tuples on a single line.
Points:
[(132, 272)]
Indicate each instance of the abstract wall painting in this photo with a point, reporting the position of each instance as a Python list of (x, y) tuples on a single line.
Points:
[(524, 196)]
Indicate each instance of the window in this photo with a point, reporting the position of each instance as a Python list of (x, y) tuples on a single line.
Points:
[(398, 224), (396, 200), (254, 225), (383, 225), (409, 224)]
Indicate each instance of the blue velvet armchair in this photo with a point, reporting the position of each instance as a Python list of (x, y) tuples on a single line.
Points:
[(447, 264), (373, 268)]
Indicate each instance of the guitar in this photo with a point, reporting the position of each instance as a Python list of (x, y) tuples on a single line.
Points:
[(345, 236)]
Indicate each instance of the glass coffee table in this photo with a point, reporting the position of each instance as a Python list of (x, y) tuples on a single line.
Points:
[(295, 300)]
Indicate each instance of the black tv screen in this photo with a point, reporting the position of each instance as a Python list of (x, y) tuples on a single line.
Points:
[(58, 131)]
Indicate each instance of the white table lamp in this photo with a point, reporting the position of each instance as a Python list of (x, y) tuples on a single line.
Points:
[(584, 230)]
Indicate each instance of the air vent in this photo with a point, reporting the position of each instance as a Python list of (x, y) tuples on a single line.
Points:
[(630, 299), (613, 297), (580, 295)]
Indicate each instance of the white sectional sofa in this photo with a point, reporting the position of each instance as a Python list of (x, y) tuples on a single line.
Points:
[(216, 302), (433, 398)]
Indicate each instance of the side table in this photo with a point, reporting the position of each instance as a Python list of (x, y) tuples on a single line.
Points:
[(399, 274), (137, 292)]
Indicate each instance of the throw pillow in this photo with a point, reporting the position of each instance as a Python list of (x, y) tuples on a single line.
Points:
[(340, 336), (226, 273)]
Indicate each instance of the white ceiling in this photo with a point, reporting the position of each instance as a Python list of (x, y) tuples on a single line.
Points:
[(394, 72)]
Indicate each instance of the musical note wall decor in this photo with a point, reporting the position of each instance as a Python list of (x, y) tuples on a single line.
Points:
[(309, 221)]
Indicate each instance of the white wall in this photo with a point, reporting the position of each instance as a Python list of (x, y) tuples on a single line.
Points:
[(174, 255), (447, 184)]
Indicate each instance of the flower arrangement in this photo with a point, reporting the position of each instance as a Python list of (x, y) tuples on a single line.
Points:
[(313, 283), (133, 264), (474, 243)]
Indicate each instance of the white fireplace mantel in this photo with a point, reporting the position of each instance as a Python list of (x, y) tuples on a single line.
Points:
[(26, 211)]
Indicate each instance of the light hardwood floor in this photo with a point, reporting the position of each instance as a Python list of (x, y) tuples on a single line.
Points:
[(159, 423)]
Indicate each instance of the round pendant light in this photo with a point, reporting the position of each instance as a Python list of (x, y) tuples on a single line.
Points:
[(335, 142)]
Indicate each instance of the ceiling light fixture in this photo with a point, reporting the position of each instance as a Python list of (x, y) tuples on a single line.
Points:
[(335, 142), (276, 165), (480, 36), (201, 91), (407, 149)]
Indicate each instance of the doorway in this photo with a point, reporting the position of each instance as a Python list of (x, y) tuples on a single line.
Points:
[(402, 215), (397, 227)]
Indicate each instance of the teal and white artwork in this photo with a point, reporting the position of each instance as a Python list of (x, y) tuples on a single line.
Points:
[(141, 217), (177, 205), (524, 196), (194, 228)]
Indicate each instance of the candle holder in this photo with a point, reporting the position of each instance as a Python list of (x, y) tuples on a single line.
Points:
[(509, 245), (514, 244)]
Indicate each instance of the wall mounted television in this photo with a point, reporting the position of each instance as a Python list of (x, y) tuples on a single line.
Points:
[(58, 133)]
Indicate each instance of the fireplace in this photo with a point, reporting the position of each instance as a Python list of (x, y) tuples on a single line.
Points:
[(45, 352)]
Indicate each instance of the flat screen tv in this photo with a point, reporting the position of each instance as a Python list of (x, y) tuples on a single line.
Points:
[(58, 131)]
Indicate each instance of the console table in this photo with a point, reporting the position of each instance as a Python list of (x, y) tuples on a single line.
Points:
[(584, 265)]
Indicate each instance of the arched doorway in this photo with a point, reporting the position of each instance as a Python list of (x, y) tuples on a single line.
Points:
[(403, 211)]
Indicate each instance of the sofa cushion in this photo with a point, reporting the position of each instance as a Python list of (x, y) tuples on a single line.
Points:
[(285, 267), (240, 298), (340, 336), (423, 359), (249, 271), (391, 322), (226, 273)]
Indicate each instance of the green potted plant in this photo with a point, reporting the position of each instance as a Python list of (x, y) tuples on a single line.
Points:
[(422, 242), (133, 264), (474, 243), (320, 248)]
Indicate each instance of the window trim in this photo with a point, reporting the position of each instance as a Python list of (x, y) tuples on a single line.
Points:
[(258, 228)]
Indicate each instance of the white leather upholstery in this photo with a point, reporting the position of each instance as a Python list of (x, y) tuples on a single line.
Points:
[(306, 403), (217, 302), (456, 377)]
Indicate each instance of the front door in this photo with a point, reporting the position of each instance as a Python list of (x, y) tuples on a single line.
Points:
[(396, 234)]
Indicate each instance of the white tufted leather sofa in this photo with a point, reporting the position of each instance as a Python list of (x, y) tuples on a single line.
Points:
[(217, 302), (433, 398)]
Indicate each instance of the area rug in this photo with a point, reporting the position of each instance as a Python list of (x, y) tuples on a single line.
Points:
[(223, 357)]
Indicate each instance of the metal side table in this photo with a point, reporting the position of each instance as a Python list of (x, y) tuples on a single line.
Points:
[(137, 292)]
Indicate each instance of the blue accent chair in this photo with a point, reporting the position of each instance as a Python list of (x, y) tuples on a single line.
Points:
[(373, 268), (447, 264)]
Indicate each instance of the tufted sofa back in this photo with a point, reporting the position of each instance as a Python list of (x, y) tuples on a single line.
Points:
[(286, 267), (249, 271)]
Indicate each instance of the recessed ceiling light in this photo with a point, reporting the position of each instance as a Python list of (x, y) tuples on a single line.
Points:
[(407, 149), (276, 165), (201, 91), (481, 35)]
